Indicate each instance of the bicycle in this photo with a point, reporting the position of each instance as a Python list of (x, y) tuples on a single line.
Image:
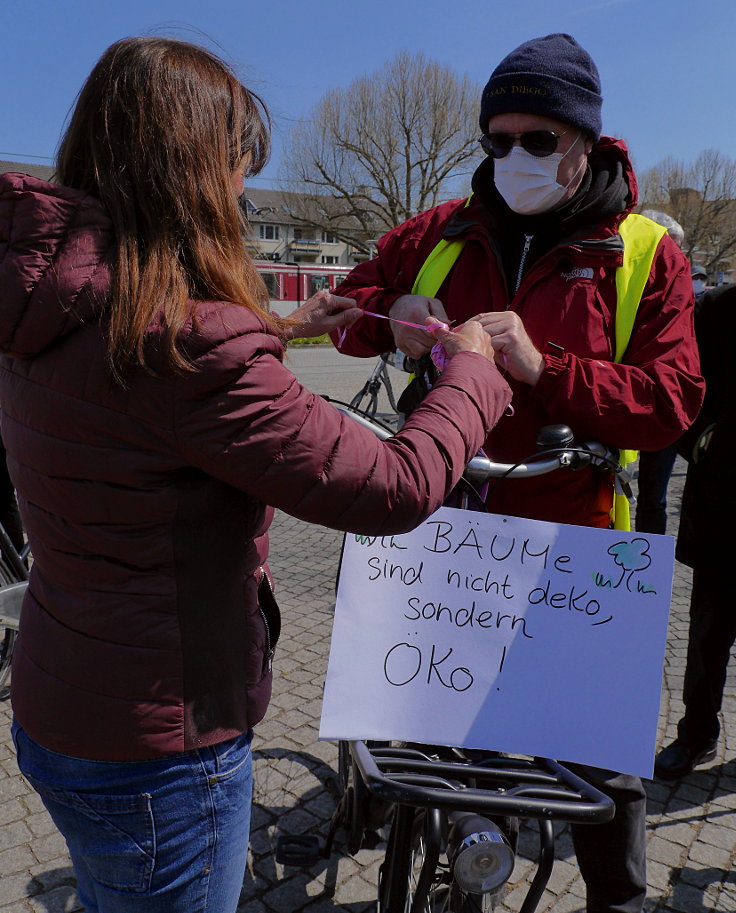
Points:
[(450, 815), (13, 585), (379, 377)]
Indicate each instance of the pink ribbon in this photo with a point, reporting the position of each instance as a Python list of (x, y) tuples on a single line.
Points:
[(406, 323), (438, 353)]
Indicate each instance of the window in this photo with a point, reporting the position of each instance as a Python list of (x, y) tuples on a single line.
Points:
[(328, 238), (317, 283), (329, 259), (268, 232), (298, 234), (272, 284)]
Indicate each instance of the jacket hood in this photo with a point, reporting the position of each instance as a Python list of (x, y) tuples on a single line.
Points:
[(55, 250)]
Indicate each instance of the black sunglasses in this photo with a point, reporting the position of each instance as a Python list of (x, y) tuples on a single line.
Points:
[(536, 142)]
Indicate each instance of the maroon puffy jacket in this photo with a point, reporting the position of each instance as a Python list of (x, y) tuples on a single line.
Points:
[(142, 632)]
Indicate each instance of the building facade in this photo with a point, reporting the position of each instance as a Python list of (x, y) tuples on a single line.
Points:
[(276, 234)]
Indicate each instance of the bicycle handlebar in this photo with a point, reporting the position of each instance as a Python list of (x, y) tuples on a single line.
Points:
[(480, 469)]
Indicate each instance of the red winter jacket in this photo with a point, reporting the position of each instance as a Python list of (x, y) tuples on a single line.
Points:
[(567, 301), (143, 632)]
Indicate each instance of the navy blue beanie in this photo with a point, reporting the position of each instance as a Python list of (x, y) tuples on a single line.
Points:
[(551, 76)]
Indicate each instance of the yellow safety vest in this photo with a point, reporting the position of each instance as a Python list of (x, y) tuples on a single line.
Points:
[(641, 237)]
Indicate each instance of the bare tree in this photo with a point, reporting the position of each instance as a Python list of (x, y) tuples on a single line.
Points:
[(381, 150), (701, 195)]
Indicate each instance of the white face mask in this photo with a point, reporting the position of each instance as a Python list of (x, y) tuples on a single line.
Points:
[(528, 183), (698, 286)]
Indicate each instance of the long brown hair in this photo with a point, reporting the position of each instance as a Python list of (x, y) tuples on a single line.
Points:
[(157, 130)]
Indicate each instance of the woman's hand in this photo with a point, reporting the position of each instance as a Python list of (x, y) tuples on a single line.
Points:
[(517, 353), (323, 313), (415, 309), (470, 337)]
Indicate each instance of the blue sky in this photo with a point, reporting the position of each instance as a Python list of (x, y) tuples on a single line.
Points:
[(668, 69)]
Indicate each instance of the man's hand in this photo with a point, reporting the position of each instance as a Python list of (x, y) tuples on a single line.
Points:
[(323, 313), (470, 337), (515, 351), (415, 309)]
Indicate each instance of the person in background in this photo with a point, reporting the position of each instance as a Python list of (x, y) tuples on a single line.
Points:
[(700, 280), (674, 229), (706, 540), (151, 428), (655, 466), (538, 246)]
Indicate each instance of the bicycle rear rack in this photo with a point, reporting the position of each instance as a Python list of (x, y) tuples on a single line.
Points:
[(479, 782)]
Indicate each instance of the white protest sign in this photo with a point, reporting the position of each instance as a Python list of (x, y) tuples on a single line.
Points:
[(494, 632)]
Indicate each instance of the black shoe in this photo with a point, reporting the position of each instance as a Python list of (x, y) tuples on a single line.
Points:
[(678, 759)]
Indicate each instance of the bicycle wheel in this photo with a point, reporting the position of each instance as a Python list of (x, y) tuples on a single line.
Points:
[(473, 903), (430, 874), (7, 643), (12, 572), (355, 798), (385, 377), (436, 895), (363, 816)]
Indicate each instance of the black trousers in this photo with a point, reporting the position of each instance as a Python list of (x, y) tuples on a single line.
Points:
[(655, 469), (712, 634), (612, 857)]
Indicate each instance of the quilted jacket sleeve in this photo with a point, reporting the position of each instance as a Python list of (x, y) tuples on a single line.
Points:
[(244, 418)]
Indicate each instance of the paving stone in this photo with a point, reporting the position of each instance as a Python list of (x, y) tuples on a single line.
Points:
[(50, 847), (15, 859), (13, 834), (685, 898), (60, 900), (290, 894), (14, 887), (13, 786), (46, 878), (718, 836), (705, 854), (658, 876), (662, 850), (356, 890), (676, 832)]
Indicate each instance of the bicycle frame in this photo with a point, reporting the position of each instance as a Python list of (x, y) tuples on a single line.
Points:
[(372, 387)]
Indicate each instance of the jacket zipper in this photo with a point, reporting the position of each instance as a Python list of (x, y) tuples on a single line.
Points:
[(597, 245), (524, 254), (269, 651)]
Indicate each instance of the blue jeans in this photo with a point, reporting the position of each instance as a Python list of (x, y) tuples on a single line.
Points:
[(168, 835)]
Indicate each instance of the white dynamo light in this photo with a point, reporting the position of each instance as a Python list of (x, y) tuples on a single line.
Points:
[(483, 861)]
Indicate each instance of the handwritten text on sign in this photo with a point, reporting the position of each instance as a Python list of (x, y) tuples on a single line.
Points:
[(496, 632)]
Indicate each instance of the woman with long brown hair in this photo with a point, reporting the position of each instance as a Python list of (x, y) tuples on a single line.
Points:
[(151, 427)]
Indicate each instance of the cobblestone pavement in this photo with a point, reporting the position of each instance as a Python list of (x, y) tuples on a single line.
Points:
[(691, 824)]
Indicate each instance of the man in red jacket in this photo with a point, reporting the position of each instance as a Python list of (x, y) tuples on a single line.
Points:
[(540, 249)]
